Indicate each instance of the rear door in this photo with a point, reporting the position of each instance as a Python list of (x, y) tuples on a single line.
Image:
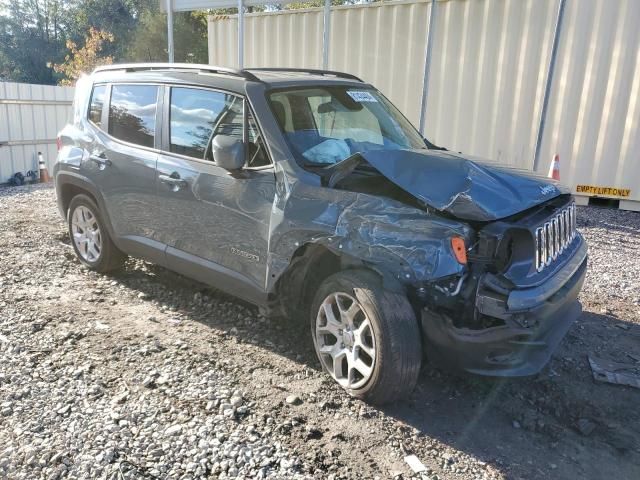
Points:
[(122, 162), (215, 222)]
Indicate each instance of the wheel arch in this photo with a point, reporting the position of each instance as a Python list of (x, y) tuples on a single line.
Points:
[(69, 185), (310, 265), (70, 190)]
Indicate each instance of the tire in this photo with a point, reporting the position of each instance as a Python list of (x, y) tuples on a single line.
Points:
[(392, 336), (82, 219)]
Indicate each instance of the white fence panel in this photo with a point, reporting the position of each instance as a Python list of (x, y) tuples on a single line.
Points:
[(594, 108), (382, 43), (488, 74), (488, 65), (30, 118)]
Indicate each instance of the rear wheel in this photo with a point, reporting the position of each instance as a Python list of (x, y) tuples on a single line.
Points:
[(90, 238), (367, 338)]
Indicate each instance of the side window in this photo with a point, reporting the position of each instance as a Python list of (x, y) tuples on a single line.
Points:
[(257, 155), (97, 102), (132, 113), (197, 116)]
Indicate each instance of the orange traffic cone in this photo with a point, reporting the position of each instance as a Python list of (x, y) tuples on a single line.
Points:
[(554, 171), (44, 174)]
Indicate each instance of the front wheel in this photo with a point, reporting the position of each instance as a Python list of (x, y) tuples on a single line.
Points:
[(367, 338)]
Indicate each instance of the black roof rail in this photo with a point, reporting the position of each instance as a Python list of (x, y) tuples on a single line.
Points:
[(141, 67), (310, 71), (245, 73)]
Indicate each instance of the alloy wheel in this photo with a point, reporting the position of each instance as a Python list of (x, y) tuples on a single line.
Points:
[(345, 341), (86, 234)]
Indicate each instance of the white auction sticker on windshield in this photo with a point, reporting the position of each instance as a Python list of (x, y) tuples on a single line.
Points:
[(360, 96)]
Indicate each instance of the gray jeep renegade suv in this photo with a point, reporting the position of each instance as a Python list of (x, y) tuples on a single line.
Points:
[(308, 193)]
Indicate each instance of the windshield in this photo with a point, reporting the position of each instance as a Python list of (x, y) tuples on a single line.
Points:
[(325, 125)]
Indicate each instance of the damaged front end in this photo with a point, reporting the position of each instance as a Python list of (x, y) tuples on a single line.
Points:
[(503, 310), (500, 309), (518, 298)]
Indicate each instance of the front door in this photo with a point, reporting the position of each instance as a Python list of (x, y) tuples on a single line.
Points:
[(215, 222)]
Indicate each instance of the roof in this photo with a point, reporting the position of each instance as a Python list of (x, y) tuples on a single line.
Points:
[(298, 73), (228, 78)]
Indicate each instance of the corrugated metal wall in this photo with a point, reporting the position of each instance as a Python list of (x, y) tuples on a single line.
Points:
[(382, 43), (487, 74), (594, 107), (30, 118)]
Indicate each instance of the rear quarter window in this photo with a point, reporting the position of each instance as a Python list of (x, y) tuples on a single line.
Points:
[(80, 98), (132, 113), (96, 105)]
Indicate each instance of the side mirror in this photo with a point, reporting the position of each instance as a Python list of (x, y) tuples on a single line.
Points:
[(228, 152)]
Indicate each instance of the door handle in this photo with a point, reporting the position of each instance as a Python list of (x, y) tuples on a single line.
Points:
[(101, 160), (173, 180)]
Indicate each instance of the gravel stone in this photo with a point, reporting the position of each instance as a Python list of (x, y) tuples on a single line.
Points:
[(146, 374), (149, 382), (585, 426), (293, 400), (173, 430), (64, 409)]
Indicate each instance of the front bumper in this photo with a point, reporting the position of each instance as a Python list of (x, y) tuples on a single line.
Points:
[(534, 321)]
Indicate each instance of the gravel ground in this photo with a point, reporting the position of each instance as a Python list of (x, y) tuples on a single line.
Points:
[(146, 374)]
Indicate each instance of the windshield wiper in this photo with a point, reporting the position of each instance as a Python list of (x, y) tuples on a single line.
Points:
[(433, 146), (333, 174)]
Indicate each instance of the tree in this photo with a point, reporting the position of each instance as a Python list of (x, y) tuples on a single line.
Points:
[(149, 43), (84, 59), (32, 35), (119, 17), (320, 3)]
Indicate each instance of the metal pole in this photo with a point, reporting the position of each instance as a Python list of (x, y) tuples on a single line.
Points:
[(326, 31), (240, 33), (170, 30), (547, 88), (427, 66)]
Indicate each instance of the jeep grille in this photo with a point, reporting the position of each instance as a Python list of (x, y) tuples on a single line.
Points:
[(555, 236)]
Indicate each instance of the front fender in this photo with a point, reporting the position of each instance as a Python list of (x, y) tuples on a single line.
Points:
[(404, 242)]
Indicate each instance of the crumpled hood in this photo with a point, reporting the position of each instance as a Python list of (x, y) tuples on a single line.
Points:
[(464, 187)]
